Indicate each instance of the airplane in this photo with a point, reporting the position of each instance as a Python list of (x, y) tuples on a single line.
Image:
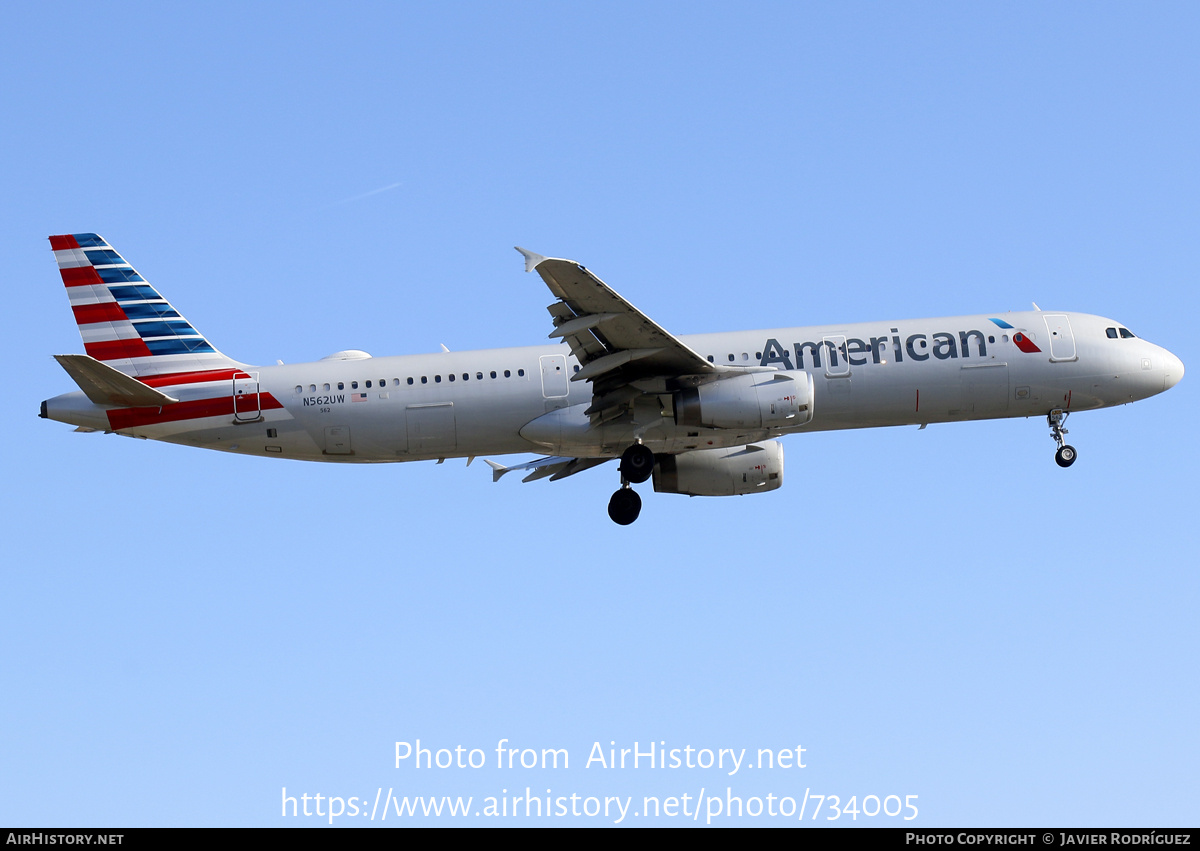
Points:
[(700, 415)]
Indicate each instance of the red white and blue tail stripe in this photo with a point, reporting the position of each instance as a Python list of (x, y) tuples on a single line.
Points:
[(123, 320)]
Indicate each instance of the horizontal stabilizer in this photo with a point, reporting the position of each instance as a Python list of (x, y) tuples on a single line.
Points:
[(107, 386)]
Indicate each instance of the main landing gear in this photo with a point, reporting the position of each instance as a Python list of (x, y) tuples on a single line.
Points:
[(1065, 456), (625, 505), (637, 464)]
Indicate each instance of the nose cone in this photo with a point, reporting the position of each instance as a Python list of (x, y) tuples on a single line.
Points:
[(1173, 370)]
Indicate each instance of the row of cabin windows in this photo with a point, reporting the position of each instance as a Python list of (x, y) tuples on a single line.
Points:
[(466, 376), (424, 379), (733, 357)]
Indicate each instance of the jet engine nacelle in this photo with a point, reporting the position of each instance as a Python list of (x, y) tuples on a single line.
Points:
[(755, 400), (721, 472)]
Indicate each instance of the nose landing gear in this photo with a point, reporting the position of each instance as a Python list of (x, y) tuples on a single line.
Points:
[(637, 465), (1065, 456)]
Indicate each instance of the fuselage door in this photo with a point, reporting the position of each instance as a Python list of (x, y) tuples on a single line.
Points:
[(1062, 341), (837, 364), (554, 376), (246, 405), (431, 429), (984, 389)]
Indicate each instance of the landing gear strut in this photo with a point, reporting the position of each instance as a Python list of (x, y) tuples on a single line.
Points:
[(637, 464), (1065, 456)]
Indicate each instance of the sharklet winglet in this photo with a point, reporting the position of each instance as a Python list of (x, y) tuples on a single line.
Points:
[(531, 259), (498, 470)]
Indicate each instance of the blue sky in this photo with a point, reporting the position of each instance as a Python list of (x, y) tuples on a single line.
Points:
[(942, 613)]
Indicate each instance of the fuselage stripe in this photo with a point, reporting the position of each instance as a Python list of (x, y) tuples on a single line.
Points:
[(126, 418), (174, 378)]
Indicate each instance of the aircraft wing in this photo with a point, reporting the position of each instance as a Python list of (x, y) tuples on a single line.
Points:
[(554, 466), (615, 343)]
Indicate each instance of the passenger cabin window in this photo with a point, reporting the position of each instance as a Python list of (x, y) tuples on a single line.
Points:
[(353, 385), (521, 372), (368, 383), (507, 374), (341, 385), (410, 381)]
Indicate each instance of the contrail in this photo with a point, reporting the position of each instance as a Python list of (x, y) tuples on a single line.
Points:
[(372, 192)]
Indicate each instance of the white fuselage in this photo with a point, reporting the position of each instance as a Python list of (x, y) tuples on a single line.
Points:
[(357, 408)]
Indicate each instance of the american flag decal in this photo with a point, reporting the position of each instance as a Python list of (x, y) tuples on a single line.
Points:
[(358, 397)]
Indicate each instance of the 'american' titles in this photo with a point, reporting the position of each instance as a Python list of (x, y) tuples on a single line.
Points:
[(941, 345)]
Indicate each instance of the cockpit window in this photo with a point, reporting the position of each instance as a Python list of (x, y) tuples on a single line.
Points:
[(1111, 332), (1127, 334)]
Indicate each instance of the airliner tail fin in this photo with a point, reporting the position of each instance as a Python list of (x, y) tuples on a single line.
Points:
[(124, 322)]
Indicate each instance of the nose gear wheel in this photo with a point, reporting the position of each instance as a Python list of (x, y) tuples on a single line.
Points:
[(1066, 455)]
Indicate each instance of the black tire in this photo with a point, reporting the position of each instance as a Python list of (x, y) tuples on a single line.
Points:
[(1065, 456), (624, 506), (637, 463)]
